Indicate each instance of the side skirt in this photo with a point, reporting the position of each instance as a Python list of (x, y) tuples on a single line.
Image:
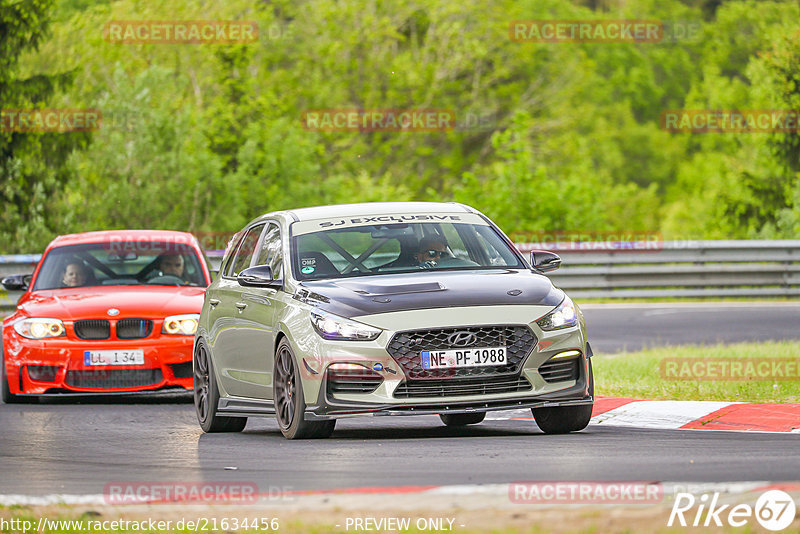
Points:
[(238, 407)]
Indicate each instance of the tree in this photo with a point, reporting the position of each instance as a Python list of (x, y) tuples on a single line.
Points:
[(32, 164)]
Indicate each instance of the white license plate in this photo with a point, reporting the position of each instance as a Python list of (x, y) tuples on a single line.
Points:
[(478, 357), (113, 357)]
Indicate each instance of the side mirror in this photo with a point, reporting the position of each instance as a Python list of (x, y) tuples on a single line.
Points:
[(16, 282), (544, 261), (258, 276)]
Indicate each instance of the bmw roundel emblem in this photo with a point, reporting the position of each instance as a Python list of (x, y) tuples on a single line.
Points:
[(113, 312)]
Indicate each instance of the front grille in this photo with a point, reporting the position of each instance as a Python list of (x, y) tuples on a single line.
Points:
[(114, 379), (353, 381), (405, 348), (182, 370), (458, 387), (42, 373), (92, 329), (134, 328), (560, 370)]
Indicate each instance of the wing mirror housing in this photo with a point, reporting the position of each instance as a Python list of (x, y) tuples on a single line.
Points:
[(258, 276), (17, 282), (544, 261)]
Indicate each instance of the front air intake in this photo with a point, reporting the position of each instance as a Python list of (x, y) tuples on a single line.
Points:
[(560, 370), (349, 381)]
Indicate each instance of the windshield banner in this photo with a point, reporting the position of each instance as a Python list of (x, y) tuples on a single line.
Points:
[(317, 225)]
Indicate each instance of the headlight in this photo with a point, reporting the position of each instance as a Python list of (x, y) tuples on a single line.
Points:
[(185, 325), (563, 316), (39, 328), (339, 328)]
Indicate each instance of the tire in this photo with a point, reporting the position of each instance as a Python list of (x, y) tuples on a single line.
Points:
[(5, 391), (289, 401), (206, 396), (565, 419), (462, 419)]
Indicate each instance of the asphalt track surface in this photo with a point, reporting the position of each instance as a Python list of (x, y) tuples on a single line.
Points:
[(62, 446), (631, 327)]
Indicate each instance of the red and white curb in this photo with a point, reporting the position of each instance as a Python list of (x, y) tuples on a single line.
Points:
[(688, 415)]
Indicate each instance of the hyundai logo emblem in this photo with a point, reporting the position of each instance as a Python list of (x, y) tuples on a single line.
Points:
[(462, 338)]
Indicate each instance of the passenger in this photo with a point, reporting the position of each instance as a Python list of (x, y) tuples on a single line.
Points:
[(74, 274)]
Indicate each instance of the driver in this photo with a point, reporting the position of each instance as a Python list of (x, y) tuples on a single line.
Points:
[(171, 265), (431, 250)]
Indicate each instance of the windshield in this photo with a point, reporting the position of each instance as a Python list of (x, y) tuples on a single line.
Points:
[(99, 264), (363, 249)]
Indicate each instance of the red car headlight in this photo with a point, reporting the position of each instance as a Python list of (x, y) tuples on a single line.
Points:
[(185, 325), (40, 328)]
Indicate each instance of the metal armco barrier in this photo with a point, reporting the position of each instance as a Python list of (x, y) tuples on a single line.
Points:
[(652, 269), (669, 269)]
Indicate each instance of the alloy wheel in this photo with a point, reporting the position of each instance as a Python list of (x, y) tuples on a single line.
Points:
[(285, 388), (201, 383)]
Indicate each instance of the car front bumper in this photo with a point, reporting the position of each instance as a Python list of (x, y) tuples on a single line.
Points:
[(322, 402), (56, 365)]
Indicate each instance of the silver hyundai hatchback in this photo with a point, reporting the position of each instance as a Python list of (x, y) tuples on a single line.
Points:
[(398, 308)]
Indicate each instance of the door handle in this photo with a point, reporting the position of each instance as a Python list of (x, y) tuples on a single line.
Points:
[(213, 302), (241, 305)]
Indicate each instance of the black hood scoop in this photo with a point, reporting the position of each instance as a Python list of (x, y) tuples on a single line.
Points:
[(369, 295), (387, 289)]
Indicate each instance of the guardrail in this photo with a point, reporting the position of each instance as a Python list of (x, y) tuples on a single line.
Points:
[(667, 269), (609, 270)]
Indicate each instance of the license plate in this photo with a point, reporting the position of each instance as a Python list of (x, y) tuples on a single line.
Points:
[(478, 357), (113, 357)]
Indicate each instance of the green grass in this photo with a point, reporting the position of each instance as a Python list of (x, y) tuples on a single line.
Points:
[(639, 374)]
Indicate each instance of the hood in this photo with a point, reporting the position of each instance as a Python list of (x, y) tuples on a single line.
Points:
[(131, 301), (368, 295)]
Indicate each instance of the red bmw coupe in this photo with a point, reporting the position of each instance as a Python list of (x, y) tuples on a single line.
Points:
[(105, 312)]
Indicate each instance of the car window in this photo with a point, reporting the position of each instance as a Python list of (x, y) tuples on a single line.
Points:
[(230, 248), (244, 253), (362, 249), (108, 264), (454, 242), (497, 255), (271, 252)]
